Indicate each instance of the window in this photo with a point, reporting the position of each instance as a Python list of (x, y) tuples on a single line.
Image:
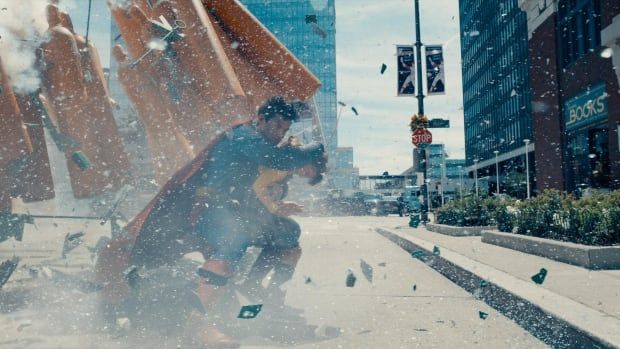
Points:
[(542, 6), (579, 28)]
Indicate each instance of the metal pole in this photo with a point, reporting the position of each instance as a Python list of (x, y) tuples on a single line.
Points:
[(443, 173), (476, 175), (461, 182), (496, 172), (527, 167), (428, 192), (420, 97)]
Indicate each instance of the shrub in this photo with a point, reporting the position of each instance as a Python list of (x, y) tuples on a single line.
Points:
[(553, 215), (590, 221), (470, 211)]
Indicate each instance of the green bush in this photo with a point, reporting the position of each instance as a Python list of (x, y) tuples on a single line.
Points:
[(591, 221), (471, 211), (552, 215)]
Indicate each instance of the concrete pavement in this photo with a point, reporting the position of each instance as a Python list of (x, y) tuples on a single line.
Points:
[(584, 299), (387, 313)]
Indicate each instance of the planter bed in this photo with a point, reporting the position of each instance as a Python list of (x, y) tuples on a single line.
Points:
[(457, 231), (591, 257)]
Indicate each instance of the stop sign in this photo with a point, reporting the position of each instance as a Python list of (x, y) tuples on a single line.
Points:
[(421, 136)]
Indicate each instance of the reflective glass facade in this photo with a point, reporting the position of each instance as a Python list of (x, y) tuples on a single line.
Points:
[(308, 29), (496, 85)]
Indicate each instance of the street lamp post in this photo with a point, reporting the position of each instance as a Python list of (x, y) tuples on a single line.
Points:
[(443, 174), (496, 152), (420, 97), (428, 193), (476, 174), (460, 181), (527, 166)]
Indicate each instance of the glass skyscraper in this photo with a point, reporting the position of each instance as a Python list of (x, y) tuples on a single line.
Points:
[(308, 29), (496, 84)]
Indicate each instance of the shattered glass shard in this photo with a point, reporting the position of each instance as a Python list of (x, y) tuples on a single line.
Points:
[(71, 242), (81, 160), (7, 268), (249, 311), (350, 281), (366, 270), (418, 254), (539, 277), (311, 19)]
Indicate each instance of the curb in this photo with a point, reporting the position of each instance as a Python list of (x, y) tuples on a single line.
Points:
[(555, 320), (457, 231), (591, 257)]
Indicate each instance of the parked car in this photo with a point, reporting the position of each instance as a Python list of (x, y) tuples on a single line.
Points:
[(371, 203), (379, 205)]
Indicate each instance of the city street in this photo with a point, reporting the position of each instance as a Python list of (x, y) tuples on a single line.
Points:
[(408, 304)]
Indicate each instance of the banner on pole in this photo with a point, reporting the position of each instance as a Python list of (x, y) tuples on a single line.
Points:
[(406, 71), (435, 78)]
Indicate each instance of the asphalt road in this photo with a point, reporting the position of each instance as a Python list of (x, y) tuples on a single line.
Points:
[(385, 313)]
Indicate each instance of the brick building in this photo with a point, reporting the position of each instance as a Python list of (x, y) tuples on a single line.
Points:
[(574, 57)]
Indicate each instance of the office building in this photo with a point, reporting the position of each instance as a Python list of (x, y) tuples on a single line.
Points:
[(575, 73), (496, 89)]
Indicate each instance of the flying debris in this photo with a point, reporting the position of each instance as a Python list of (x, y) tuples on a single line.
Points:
[(539, 277), (355, 111), (383, 68), (249, 311), (314, 24), (81, 160), (132, 276), (418, 254), (366, 270), (607, 53), (71, 242), (350, 281), (12, 225), (483, 315), (7, 268)]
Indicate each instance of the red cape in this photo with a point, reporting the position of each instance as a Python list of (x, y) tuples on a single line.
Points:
[(168, 211)]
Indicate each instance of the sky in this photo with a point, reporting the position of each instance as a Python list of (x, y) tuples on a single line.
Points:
[(367, 32)]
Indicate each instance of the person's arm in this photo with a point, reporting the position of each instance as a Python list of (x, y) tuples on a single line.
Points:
[(267, 177), (254, 146)]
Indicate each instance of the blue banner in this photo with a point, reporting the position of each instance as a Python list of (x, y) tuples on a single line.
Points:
[(435, 76), (406, 71)]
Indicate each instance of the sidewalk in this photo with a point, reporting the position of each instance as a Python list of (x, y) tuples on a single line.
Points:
[(586, 299)]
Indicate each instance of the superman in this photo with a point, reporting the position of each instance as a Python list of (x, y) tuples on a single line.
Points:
[(210, 206)]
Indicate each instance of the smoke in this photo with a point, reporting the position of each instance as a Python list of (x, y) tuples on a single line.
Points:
[(22, 25)]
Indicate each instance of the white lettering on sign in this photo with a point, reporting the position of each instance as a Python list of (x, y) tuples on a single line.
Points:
[(586, 110), (423, 138)]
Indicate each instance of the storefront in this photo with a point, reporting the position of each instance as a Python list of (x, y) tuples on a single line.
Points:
[(587, 139)]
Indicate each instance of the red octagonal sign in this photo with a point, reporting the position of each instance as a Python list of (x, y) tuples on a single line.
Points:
[(421, 136)]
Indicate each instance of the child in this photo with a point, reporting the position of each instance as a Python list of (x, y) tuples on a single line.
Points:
[(270, 186)]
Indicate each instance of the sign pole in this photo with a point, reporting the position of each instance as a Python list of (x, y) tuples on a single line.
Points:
[(420, 97)]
